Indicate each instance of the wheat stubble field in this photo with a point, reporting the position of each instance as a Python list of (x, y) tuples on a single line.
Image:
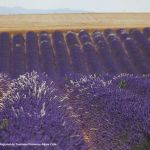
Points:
[(50, 22)]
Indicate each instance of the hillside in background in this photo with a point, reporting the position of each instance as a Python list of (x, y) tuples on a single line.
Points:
[(21, 10)]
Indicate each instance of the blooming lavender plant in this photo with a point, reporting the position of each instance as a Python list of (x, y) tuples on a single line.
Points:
[(119, 55), (136, 56), (18, 56), (76, 55), (146, 32), (104, 53), (71, 39), (84, 36), (36, 112), (44, 36), (114, 113), (47, 56), (32, 52), (92, 59), (5, 52), (62, 58), (78, 61), (142, 41)]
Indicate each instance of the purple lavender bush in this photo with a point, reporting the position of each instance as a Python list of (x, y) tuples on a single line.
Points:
[(35, 111), (120, 57), (115, 113), (136, 56), (18, 56), (61, 56), (104, 53), (32, 51)]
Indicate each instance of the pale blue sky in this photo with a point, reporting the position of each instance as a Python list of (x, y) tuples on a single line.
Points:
[(89, 5)]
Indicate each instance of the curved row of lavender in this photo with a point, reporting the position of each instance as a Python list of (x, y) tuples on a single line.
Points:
[(35, 112), (115, 111), (98, 52)]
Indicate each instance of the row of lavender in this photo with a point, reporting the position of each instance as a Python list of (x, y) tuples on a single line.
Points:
[(88, 113), (114, 112), (97, 52)]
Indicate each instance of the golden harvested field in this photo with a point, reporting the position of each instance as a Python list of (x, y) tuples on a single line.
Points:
[(75, 22)]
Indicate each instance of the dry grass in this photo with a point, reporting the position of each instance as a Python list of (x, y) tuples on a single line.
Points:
[(65, 22)]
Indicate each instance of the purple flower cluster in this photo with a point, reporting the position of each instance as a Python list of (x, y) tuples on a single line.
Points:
[(114, 112), (35, 111)]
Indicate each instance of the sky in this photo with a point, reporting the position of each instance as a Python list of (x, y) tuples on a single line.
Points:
[(85, 5)]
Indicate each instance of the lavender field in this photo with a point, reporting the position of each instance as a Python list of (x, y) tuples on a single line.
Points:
[(75, 91)]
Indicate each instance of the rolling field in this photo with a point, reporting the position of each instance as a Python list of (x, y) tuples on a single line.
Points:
[(75, 81)]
